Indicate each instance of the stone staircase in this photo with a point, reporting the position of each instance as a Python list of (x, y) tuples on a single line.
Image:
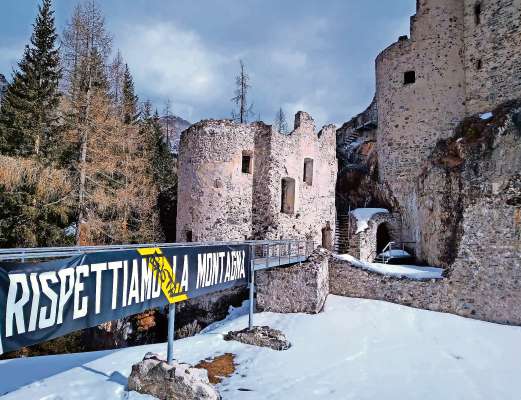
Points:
[(342, 234), (352, 137)]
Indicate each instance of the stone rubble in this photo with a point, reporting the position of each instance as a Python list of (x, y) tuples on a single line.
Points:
[(155, 377), (262, 336)]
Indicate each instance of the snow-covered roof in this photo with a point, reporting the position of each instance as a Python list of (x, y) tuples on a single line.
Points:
[(363, 215), (398, 271)]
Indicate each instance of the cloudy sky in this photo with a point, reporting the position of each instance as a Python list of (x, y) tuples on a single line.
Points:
[(311, 55)]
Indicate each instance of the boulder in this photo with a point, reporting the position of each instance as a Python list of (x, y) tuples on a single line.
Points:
[(262, 336), (298, 288), (154, 376)]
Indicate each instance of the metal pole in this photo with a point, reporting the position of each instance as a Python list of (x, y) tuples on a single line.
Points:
[(252, 292), (171, 331), (267, 255)]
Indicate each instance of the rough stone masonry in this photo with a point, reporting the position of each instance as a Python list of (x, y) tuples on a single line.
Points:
[(299, 288), (248, 181)]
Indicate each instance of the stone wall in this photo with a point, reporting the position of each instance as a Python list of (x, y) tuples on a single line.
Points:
[(469, 199), (301, 287), (219, 202), (346, 280), (283, 156), (463, 194), (492, 53), (475, 227), (495, 300), (412, 117)]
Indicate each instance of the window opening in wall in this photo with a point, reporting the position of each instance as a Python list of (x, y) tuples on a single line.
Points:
[(288, 196), (189, 236), (409, 77), (308, 171), (246, 162), (479, 64), (477, 13)]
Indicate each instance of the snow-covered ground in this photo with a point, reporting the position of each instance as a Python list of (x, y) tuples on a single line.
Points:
[(363, 215), (398, 271), (356, 349)]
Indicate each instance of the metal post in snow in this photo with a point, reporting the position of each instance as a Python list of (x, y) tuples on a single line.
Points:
[(252, 291), (171, 331)]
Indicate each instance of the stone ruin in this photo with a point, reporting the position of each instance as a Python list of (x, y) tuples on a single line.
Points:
[(248, 181), (367, 243), (461, 59), (440, 148)]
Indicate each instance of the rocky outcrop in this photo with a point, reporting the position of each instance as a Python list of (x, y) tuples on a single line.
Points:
[(262, 336), (174, 125), (467, 193), (299, 288), (154, 376)]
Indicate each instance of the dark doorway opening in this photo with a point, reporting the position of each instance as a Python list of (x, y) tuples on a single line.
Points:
[(382, 238)]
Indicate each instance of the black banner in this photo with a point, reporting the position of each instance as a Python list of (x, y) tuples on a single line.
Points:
[(42, 301)]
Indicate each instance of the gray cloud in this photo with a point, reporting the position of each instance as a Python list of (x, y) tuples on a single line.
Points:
[(301, 54)]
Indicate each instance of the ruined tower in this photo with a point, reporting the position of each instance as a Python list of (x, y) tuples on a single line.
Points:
[(462, 58), (248, 181)]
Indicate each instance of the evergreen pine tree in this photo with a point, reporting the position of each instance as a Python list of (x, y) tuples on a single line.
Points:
[(29, 119), (163, 169), (130, 99)]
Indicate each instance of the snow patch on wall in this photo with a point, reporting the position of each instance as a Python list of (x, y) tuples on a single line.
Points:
[(363, 215), (397, 271)]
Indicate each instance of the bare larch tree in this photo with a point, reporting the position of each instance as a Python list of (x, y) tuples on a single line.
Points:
[(86, 45), (242, 87)]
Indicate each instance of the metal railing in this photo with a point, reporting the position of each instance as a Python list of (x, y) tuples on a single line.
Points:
[(389, 249), (269, 254), (265, 250)]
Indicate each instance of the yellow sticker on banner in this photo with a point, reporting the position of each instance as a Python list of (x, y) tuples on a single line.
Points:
[(163, 272)]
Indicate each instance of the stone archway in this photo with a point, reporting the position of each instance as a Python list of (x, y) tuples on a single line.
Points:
[(383, 237), (370, 231)]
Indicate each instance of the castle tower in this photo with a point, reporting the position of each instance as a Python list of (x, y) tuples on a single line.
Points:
[(215, 183), (420, 91)]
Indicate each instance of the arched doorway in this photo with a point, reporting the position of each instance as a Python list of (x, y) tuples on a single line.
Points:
[(382, 237)]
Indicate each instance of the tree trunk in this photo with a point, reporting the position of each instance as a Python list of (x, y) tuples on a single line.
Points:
[(83, 164)]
